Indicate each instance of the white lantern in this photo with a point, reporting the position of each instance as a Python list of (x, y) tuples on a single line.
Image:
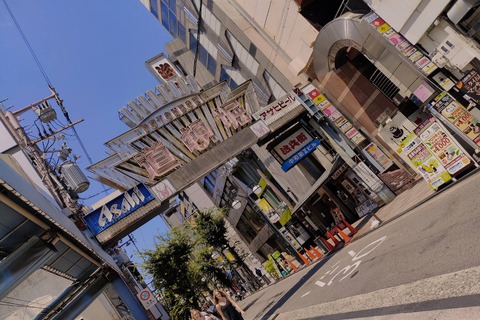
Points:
[(236, 204), (257, 190)]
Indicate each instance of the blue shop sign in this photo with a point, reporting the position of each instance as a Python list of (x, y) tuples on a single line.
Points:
[(117, 209), (287, 165)]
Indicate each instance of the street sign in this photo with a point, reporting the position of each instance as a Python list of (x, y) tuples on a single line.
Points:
[(146, 298)]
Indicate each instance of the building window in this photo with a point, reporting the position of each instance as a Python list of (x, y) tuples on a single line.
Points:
[(165, 16), (231, 75), (172, 5), (209, 183), (242, 54), (154, 8), (169, 19), (276, 89), (212, 65), (206, 53), (173, 25), (182, 33), (250, 224), (193, 43)]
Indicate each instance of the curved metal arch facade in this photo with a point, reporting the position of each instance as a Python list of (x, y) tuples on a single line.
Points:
[(349, 30)]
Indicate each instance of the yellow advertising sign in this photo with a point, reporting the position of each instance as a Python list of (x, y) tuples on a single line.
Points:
[(319, 99), (384, 28), (268, 210)]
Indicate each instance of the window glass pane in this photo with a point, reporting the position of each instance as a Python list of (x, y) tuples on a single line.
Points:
[(172, 5), (245, 230), (181, 33), (203, 55), (154, 7), (193, 42), (173, 25), (165, 16), (212, 65), (233, 84), (214, 174), (224, 76)]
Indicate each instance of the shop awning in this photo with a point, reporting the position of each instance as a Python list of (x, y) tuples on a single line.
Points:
[(313, 189)]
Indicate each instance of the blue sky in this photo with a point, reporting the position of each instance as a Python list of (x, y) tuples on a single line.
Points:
[(94, 54)]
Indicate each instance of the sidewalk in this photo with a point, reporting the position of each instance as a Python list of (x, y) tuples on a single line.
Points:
[(403, 203)]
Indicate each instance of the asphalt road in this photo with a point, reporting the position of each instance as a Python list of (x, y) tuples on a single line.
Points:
[(414, 258)]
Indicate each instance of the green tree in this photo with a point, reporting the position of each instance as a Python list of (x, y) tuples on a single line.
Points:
[(170, 266), (183, 269), (210, 227)]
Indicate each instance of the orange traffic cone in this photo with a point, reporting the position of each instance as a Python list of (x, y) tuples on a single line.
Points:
[(292, 265), (310, 255), (319, 255), (350, 228), (343, 235), (329, 246), (333, 238), (303, 258)]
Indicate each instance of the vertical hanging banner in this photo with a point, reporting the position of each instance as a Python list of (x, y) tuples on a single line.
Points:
[(426, 164), (380, 158), (271, 214), (336, 116), (442, 145)]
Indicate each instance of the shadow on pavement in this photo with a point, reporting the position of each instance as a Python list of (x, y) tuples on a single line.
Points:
[(250, 304), (259, 315), (431, 305), (295, 288)]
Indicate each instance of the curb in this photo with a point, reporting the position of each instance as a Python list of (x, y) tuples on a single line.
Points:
[(418, 204), (355, 238)]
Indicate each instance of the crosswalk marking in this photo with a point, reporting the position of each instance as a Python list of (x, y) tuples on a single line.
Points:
[(306, 294), (320, 283)]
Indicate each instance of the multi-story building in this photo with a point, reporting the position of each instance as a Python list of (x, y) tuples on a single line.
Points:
[(265, 41)]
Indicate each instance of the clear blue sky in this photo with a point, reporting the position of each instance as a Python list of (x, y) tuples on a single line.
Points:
[(94, 54)]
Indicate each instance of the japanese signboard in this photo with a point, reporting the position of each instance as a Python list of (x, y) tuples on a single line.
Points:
[(271, 214), (157, 160), (115, 210), (276, 110), (367, 175), (294, 143), (425, 163), (162, 68), (403, 45), (442, 145), (380, 158), (287, 165), (336, 117), (469, 86), (458, 115)]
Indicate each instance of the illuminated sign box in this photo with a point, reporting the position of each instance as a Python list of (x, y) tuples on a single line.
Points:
[(287, 165), (117, 209)]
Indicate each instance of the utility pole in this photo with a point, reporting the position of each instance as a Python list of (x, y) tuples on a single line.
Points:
[(48, 175)]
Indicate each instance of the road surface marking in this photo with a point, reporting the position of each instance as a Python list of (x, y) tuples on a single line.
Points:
[(320, 283), (306, 294), (351, 253), (377, 242)]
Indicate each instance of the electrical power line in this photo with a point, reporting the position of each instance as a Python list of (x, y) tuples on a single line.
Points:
[(28, 44), (49, 83)]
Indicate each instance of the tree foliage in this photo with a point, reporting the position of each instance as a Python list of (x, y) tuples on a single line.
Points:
[(210, 227), (182, 266)]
